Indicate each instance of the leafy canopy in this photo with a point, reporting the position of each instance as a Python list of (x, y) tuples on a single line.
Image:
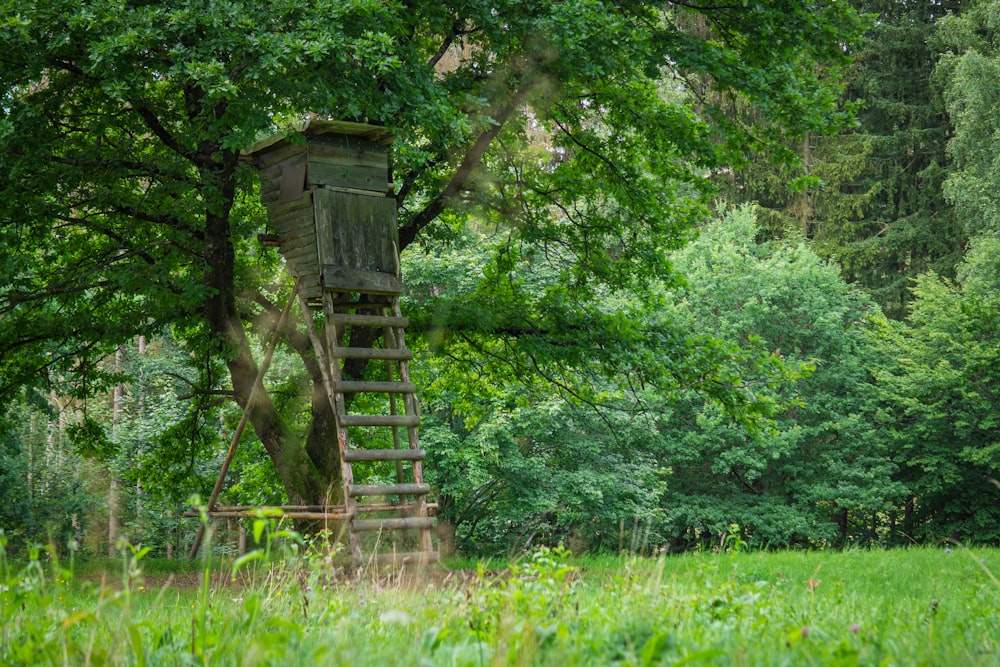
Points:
[(122, 122), (580, 125)]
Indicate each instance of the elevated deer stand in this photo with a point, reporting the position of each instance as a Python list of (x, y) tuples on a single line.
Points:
[(330, 202)]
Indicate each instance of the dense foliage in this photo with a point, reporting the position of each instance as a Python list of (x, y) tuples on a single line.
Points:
[(647, 464), (127, 207), (939, 381), (872, 197), (820, 472), (859, 607), (603, 358)]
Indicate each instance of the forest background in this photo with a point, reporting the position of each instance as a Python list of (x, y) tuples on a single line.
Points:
[(675, 272)]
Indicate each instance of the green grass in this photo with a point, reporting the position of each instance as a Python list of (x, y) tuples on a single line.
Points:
[(903, 607)]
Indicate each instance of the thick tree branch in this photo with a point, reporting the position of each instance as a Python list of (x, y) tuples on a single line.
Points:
[(473, 158), (443, 49), (155, 126), (410, 179), (43, 295), (298, 341), (120, 240)]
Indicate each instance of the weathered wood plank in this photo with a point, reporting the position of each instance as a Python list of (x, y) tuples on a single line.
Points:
[(306, 278), (303, 256), (296, 235), (406, 508), (312, 294), (359, 386), (356, 490), (292, 228), (300, 220), (295, 514), (385, 454), (343, 279), (354, 319), (352, 152), (364, 193), (371, 353), (303, 203), (375, 179), (280, 508), (267, 184), (269, 191), (293, 180), (380, 420), (392, 523), (289, 243), (290, 155), (278, 153), (357, 231)]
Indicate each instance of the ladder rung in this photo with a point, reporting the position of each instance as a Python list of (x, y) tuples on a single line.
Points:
[(289, 514), (393, 524), (371, 353), (346, 302), (356, 490), (368, 320), (384, 455), (408, 557), (380, 420), (356, 387), (405, 508)]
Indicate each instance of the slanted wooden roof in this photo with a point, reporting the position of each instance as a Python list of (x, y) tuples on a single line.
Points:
[(329, 200), (376, 134)]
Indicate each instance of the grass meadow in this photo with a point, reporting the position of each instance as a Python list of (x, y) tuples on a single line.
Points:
[(918, 606)]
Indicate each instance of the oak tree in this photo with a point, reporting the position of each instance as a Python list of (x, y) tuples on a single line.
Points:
[(126, 206)]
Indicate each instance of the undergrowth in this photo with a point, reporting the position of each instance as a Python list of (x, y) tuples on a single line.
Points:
[(290, 603)]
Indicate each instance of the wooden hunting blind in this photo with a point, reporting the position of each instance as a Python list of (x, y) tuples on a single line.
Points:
[(329, 198)]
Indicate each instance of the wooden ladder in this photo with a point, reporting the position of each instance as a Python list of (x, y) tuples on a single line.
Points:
[(382, 516)]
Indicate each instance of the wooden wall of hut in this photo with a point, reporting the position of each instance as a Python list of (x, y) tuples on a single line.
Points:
[(330, 203)]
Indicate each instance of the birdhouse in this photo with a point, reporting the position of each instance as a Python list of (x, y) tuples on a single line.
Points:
[(329, 199)]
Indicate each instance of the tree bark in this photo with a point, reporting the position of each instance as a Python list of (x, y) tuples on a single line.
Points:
[(321, 446), (114, 525), (303, 481)]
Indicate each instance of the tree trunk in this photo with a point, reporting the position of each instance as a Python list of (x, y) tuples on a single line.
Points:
[(113, 526), (321, 446), (302, 478), (840, 519), (140, 413), (909, 509), (113, 491)]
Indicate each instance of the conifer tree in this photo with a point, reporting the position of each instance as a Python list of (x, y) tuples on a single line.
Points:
[(871, 198)]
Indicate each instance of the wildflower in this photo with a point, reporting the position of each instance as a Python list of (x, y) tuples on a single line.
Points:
[(854, 628), (947, 551), (805, 631)]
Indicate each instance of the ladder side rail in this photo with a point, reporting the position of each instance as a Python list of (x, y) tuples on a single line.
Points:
[(331, 376), (413, 408), (387, 334)]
